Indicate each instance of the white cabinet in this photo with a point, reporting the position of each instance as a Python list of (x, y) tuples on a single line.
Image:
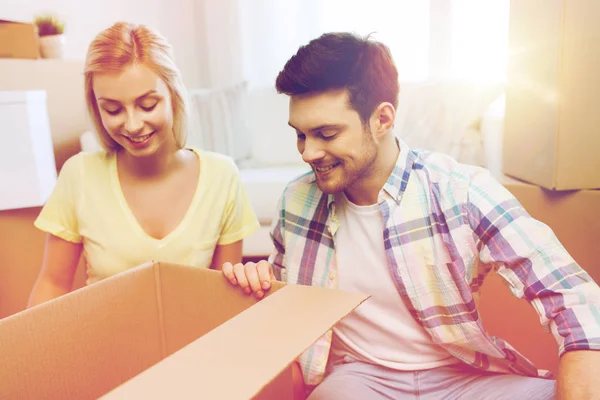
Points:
[(27, 165)]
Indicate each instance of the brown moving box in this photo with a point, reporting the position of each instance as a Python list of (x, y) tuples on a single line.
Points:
[(552, 123), (88, 342), (18, 40), (574, 216)]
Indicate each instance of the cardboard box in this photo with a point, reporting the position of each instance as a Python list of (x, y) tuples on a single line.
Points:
[(188, 329), (574, 216), (552, 127), (18, 40)]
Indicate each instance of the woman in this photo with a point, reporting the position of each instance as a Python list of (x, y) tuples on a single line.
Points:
[(147, 197)]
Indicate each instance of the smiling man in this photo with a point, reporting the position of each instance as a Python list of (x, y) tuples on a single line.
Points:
[(418, 232)]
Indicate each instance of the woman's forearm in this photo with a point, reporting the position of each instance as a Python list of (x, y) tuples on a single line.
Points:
[(45, 290)]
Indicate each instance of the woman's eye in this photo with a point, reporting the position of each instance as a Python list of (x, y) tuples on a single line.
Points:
[(148, 108), (113, 112)]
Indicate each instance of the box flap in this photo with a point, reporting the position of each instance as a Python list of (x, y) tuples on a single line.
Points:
[(237, 359)]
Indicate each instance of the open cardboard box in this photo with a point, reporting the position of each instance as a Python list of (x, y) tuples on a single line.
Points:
[(165, 331)]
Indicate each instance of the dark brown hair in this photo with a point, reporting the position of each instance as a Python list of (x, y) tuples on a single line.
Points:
[(343, 61)]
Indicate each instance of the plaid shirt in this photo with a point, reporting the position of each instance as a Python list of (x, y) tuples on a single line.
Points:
[(446, 225)]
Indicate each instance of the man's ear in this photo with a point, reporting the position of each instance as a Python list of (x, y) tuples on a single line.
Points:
[(382, 119)]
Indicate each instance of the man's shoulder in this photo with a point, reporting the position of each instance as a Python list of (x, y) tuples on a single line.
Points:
[(444, 171)]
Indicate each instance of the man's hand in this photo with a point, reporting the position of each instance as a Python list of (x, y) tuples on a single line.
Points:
[(250, 277)]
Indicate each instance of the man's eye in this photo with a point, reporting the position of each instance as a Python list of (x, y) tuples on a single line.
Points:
[(328, 136), (301, 136)]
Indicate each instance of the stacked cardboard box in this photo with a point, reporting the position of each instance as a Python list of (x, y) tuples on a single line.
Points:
[(552, 124), (551, 144), (574, 217), (18, 40)]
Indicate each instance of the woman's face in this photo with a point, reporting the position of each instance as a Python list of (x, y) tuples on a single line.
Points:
[(136, 111)]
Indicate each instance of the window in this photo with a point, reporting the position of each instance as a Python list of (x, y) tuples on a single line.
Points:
[(479, 40), (467, 39)]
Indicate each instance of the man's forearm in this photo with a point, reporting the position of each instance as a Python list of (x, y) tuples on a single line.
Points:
[(578, 377), (298, 381)]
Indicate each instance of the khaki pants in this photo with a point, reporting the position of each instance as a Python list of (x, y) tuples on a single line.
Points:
[(361, 381)]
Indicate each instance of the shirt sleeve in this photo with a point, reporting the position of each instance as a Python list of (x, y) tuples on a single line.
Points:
[(239, 218), (59, 215), (277, 257), (528, 256)]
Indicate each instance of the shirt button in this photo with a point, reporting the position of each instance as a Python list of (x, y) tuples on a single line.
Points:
[(332, 276)]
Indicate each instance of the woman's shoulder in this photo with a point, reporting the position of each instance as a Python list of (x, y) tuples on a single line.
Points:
[(213, 161), (86, 162), (90, 157)]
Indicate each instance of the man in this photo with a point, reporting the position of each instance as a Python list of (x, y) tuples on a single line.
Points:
[(418, 232)]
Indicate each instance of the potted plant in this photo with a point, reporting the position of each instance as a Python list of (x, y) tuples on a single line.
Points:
[(51, 33)]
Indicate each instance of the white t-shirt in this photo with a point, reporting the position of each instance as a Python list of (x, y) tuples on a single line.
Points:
[(381, 330)]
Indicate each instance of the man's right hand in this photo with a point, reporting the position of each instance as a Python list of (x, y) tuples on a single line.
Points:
[(250, 277)]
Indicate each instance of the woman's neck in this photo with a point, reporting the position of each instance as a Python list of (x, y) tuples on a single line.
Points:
[(158, 164)]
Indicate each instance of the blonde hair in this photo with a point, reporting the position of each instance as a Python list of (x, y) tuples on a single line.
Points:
[(123, 45)]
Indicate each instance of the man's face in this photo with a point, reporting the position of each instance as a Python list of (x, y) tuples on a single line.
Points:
[(332, 139)]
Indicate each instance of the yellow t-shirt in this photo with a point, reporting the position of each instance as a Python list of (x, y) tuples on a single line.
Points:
[(88, 205)]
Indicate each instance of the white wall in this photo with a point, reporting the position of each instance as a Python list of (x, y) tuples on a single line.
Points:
[(177, 20)]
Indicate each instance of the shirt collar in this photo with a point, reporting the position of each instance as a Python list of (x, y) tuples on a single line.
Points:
[(396, 183)]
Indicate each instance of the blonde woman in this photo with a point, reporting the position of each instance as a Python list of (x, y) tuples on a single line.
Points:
[(146, 197)]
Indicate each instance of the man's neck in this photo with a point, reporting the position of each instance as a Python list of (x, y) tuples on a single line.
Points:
[(366, 191)]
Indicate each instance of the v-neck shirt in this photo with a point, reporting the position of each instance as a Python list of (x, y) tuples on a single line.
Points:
[(88, 206)]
